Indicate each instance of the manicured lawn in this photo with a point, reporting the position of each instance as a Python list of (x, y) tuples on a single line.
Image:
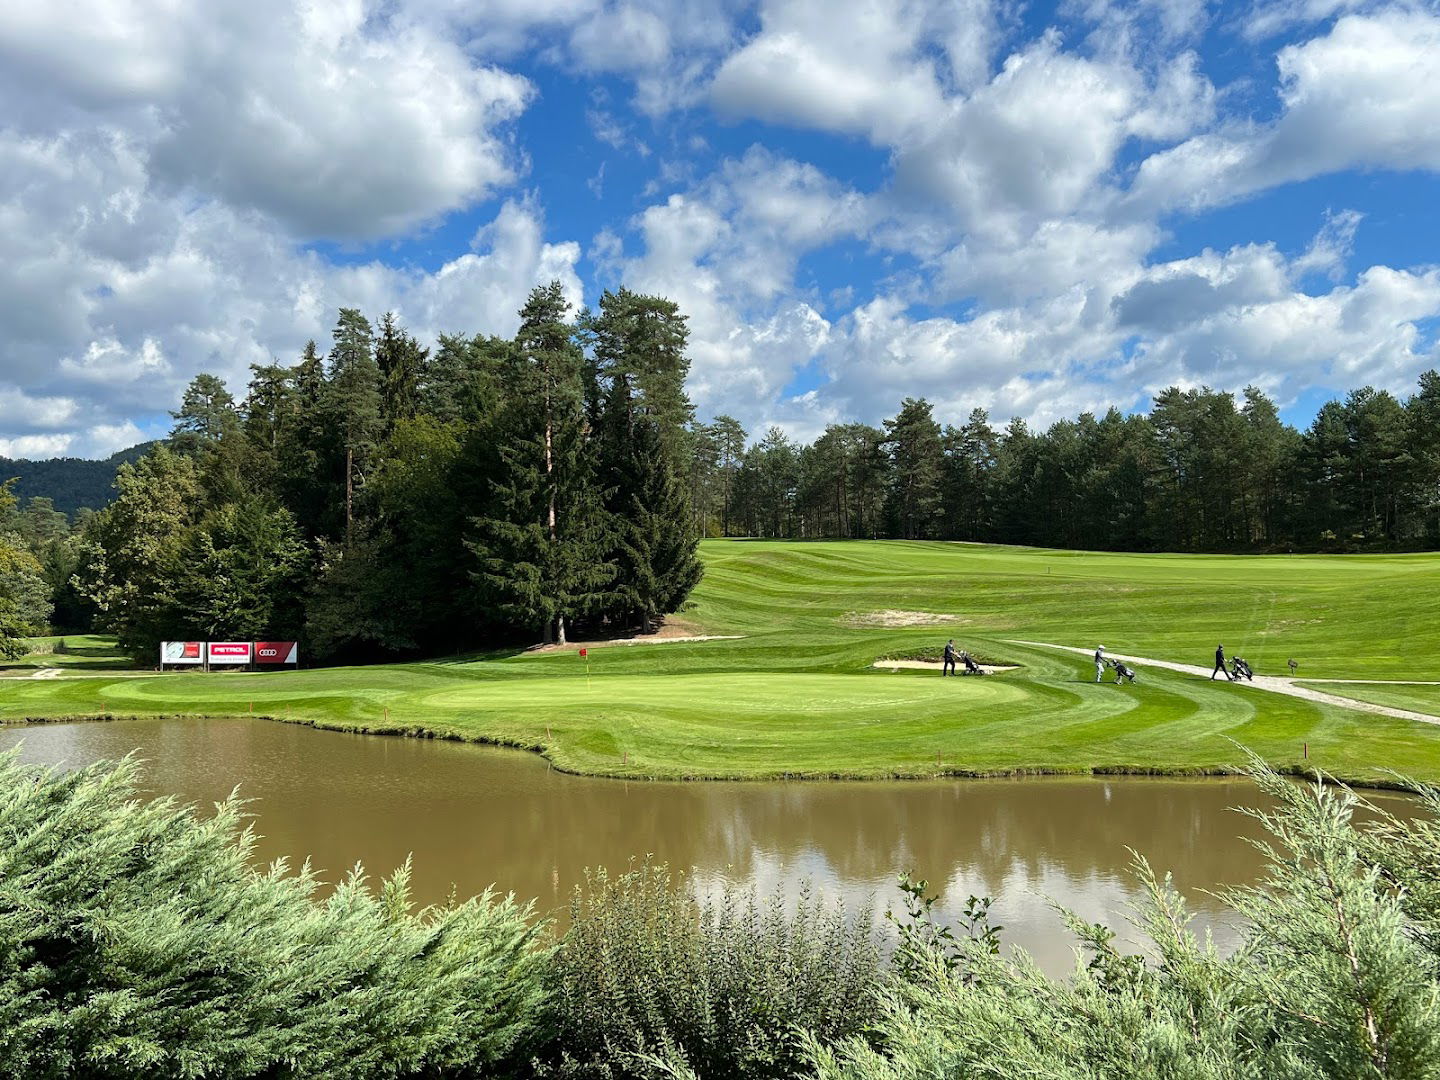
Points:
[(79, 651), (797, 694), (1424, 699)]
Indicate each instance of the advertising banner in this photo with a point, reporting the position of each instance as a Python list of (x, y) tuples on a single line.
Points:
[(182, 652), (277, 652), (229, 652)]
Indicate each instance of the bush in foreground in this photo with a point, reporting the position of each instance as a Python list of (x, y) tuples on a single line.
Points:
[(136, 940), (1338, 976), (654, 978)]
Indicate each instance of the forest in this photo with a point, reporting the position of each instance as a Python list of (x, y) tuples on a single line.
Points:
[(1200, 472), (386, 499)]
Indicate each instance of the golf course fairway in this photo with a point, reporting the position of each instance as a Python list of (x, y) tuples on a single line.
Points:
[(788, 687)]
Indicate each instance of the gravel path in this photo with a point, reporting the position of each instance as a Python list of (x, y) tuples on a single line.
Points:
[(1273, 683)]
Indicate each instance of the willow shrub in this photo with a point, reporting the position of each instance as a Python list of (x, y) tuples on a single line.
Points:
[(653, 978), (1338, 974), (136, 940)]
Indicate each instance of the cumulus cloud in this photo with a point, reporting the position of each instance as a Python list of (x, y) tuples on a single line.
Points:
[(1363, 95), (850, 66), (112, 296), (166, 168), (328, 118)]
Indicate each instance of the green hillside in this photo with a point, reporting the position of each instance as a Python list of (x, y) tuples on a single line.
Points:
[(70, 483), (796, 692)]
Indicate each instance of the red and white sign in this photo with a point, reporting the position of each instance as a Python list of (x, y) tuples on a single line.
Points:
[(229, 652), (182, 652), (277, 652)]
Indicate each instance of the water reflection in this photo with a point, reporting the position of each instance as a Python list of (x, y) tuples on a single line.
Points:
[(473, 816)]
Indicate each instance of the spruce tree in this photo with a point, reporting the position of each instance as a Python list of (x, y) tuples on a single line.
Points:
[(638, 366), (539, 544), (352, 402), (401, 362)]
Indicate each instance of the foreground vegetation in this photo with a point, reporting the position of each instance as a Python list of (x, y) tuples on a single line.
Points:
[(794, 692), (135, 939)]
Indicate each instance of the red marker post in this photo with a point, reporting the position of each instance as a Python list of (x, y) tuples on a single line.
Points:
[(585, 655)]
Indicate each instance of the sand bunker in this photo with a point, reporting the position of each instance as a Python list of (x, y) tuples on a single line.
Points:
[(893, 618), (935, 665)]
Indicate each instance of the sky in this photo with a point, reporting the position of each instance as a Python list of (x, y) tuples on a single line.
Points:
[(1037, 209)]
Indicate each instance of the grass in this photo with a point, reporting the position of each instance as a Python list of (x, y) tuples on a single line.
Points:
[(797, 694), (89, 652), (1425, 699)]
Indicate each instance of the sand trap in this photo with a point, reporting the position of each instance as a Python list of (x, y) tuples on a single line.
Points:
[(1275, 684), (648, 639), (936, 665), (894, 618)]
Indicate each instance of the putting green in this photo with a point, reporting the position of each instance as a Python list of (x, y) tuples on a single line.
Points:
[(796, 694)]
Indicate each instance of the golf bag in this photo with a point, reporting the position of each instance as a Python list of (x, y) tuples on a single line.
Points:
[(1239, 669), (1122, 672), (971, 668)]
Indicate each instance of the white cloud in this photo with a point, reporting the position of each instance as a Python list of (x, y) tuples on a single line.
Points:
[(114, 295), (330, 118), (1364, 95), (1034, 142), (849, 66)]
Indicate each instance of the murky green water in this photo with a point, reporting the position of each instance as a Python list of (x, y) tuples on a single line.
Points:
[(475, 816)]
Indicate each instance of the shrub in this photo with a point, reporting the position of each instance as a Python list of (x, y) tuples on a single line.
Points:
[(136, 940), (1338, 975), (652, 978)]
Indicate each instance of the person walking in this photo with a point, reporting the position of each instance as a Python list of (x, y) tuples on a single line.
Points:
[(1220, 664), (1099, 662), (948, 668)]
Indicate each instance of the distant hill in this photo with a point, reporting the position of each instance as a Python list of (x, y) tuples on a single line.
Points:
[(70, 482)]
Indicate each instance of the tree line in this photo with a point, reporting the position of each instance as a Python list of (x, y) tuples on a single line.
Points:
[(385, 498), (1200, 472)]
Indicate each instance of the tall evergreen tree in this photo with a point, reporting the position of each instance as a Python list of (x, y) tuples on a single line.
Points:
[(401, 362), (637, 366), (351, 400), (730, 449), (917, 462), (207, 412), (540, 543)]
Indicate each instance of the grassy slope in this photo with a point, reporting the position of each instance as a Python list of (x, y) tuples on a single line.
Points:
[(797, 695), (1424, 699)]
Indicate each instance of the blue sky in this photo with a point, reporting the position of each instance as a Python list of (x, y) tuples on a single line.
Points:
[(1038, 209)]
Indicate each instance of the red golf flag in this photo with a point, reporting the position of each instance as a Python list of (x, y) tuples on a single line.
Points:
[(584, 652)]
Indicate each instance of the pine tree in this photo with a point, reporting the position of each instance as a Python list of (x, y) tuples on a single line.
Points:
[(917, 463), (207, 412), (730, 445), (352, 401)]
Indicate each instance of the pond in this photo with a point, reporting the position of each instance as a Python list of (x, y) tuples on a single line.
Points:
[(473, 816)]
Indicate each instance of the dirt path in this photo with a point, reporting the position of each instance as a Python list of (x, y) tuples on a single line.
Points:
[(1275, 684)]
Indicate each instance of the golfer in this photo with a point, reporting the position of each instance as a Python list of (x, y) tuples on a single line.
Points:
[(948, 668), (1099, 662), (1220, 663)]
